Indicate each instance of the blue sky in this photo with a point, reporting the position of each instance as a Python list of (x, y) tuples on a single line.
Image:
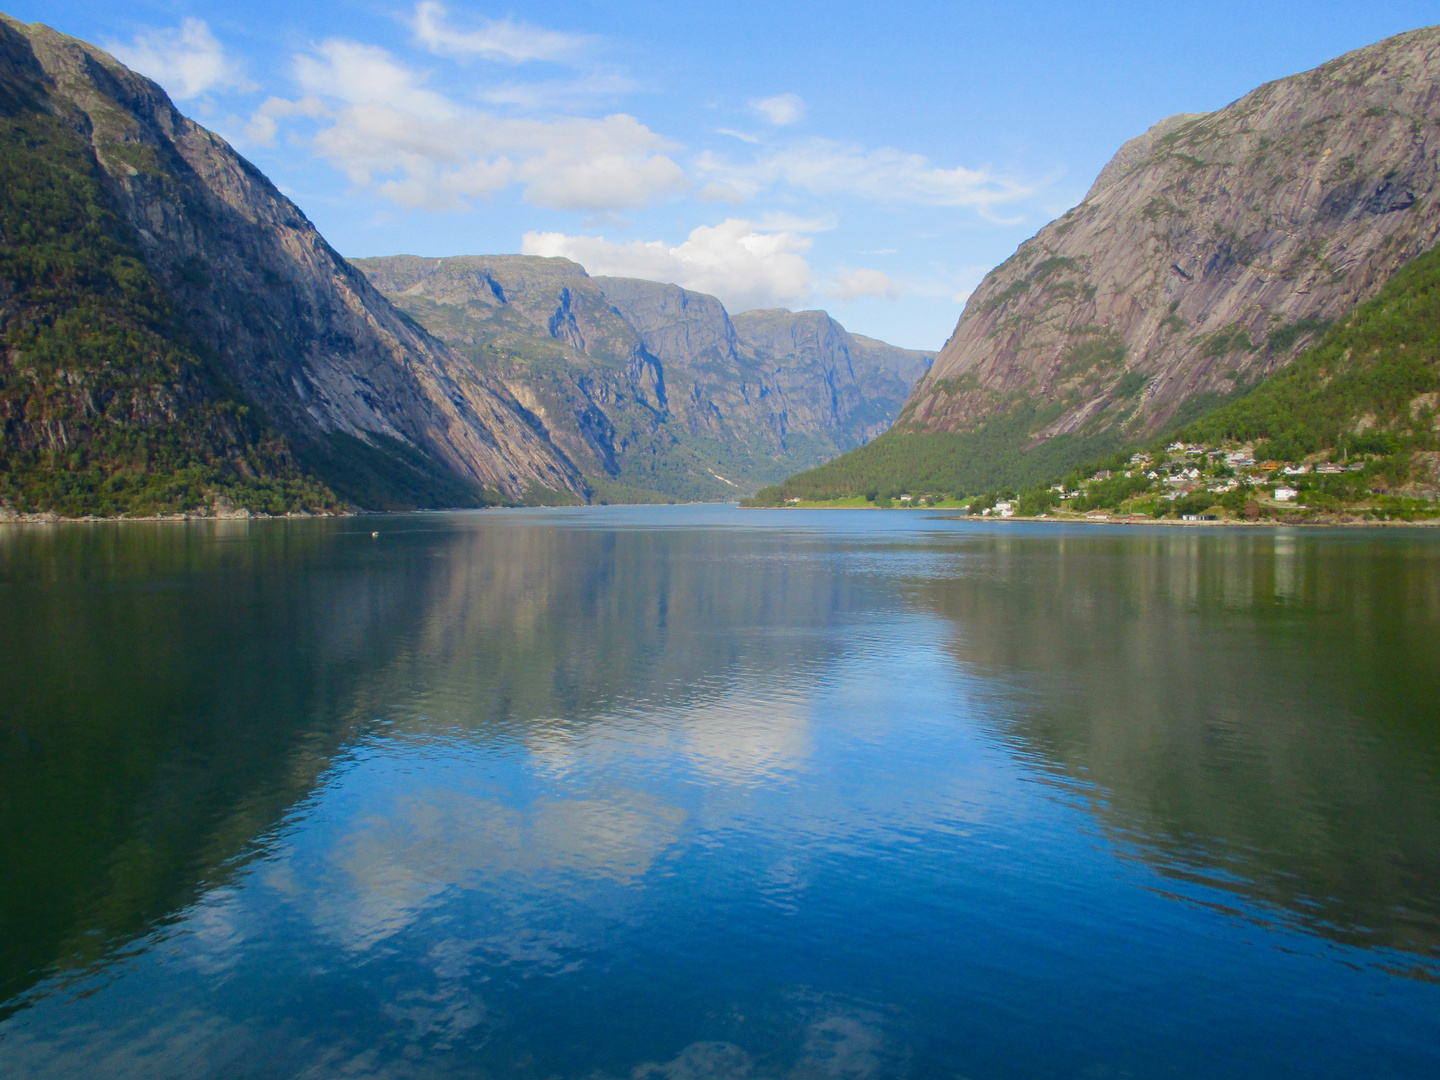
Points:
[(873, 160)]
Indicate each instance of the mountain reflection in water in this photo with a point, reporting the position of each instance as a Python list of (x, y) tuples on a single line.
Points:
[(1260, 710), (673, 792)]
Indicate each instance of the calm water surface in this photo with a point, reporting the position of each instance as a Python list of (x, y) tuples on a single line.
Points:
[(672, 793)]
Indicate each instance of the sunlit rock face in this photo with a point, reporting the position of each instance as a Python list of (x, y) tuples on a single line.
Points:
[(1209, 252), (295, 327), (653, 385)]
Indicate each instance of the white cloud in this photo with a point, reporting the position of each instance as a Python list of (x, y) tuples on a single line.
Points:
[(824, 167), (858, 283), (779, 221), (555, 93), (187, 61), (745, 267), (499, 39), (717, 193), (782, 109), (264, 122), (368, 75), (419, 149)]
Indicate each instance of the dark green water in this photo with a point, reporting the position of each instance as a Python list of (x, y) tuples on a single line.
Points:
[(696, 792)]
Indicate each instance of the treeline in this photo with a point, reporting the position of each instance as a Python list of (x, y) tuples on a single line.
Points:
[(1353, 391), (1359, 392), (987, 459), (105, 406)]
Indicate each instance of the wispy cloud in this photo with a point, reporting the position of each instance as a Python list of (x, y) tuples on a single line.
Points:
[(861, 283), (417, 148), (737, 260), (494, 39), (187, 61), (719, 193), (781, 110), (559, 93), (826, 167)]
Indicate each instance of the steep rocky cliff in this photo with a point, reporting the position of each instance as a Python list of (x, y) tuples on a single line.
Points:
[(367, 400), (1208, 253), (652, 387)]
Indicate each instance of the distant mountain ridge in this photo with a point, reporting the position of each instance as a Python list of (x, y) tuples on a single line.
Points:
[(1208, 253), (653, 388)]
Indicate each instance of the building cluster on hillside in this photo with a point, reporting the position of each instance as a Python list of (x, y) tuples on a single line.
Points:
[(1189, 469)]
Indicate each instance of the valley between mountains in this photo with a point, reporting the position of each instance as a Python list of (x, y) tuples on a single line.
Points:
[(179, 339)]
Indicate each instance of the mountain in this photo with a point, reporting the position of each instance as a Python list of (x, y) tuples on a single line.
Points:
[(177, 331), (1208, 253), (654, 390)]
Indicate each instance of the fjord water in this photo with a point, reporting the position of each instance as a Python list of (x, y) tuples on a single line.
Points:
[(692, 792)]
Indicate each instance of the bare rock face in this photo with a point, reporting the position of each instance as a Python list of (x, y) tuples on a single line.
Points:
[(652, 385), (296, 328), (831, 379), (1210, 251)]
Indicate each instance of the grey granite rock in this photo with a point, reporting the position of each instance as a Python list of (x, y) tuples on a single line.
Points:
[(1208, 253)]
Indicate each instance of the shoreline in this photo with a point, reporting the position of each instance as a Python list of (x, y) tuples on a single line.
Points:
[(51, 518), (948, 513), (1145, 520)]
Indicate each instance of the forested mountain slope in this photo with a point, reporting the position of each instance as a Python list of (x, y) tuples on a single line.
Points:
[(1208, 253), (1350, 427), (105, 403), (169, 312), (1369, 388), (651, 389)]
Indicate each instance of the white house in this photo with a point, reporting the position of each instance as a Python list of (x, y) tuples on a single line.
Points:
[(1285, 494)]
